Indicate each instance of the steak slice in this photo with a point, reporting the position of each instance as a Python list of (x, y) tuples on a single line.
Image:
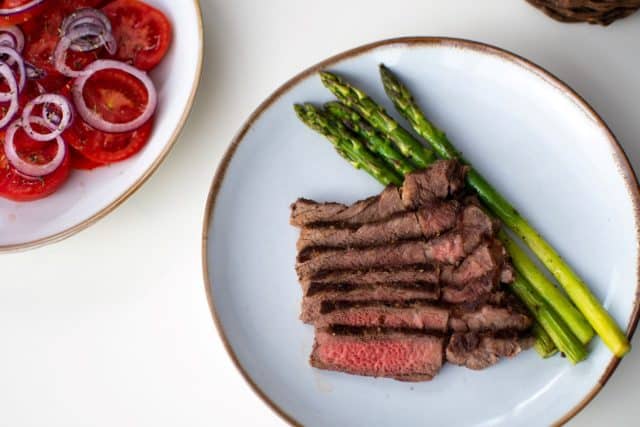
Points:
[(416, 315), (427, 222), (452, 247), (479, 351), (388, 292), (403, 356), (403, 254), (489, 318), (439, 181), (305, 212), (472, 292), (401, 227), (439, 217), (485, 259)]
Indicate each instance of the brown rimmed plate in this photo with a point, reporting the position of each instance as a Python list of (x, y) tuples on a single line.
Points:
[(532, 136)]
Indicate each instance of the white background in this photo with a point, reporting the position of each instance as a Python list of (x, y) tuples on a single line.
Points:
[(111, 327)]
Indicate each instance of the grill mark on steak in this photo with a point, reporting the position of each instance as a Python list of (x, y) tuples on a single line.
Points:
[(311, 305), (318, 288), (402, 315), (398, 228), (379, 354), (417, 273), (402, 254)]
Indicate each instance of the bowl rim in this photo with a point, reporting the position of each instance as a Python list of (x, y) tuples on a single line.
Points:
[(70, 231), (625, 169)]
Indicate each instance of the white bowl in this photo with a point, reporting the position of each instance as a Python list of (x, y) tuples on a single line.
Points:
[(540, 144), (90, 195)]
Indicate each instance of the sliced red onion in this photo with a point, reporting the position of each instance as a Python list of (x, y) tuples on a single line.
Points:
[(13, 37), (11, 96), (73, 36), (33, 72), (57, 124), (9, 11), (24, 167), (83, 16), (60, 58), (16, 58), (98, 27), (93, 118)]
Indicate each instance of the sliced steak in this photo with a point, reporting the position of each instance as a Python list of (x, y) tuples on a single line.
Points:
[(305, 212), (388, 292), (401, 227), (416, 315), (438, 217), (403, 254), (407, 357), (479, 351), (489, 318), (485, 259), (472, 292), (441, 180)]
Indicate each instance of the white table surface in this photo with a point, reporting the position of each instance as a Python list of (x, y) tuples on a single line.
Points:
[(111, 327)]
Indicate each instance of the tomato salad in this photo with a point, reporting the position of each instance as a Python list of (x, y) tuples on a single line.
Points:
[(74, 88)]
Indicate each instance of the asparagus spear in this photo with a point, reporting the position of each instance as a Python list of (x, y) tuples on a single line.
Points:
[(367, 107), (556, 299), (575, 287), (544, 344), (347, 144), (376, 142), (562, 337)]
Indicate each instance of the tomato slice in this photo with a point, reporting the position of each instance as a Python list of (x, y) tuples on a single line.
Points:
[(17, 187), (78, 161), (117, 96), (20, 18), (102, 147), (142, 32), (43, 33)]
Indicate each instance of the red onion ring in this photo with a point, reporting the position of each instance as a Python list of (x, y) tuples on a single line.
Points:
[(11, 96), (24, 167), (33, 72), (57, 127), (9, 11), (94, 119), (100, 34), (15, 58), (13, 37), (75, 34), (83, 16)]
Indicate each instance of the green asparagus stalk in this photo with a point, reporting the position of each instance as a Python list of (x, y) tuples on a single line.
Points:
[(367, 107), (575, 287), (548, 319), (376, 142), (347, 144), (544, 344), (556, 299)]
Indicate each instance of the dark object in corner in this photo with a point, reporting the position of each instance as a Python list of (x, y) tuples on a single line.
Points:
[(602, 12)]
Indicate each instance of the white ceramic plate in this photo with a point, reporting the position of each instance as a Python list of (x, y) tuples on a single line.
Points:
[(89, 195), (530, 135)]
